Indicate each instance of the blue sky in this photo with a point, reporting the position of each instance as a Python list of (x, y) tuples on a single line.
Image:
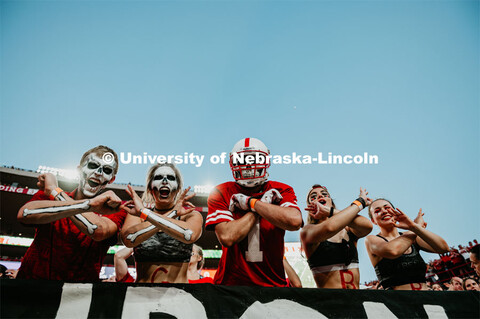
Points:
[(392, 78)]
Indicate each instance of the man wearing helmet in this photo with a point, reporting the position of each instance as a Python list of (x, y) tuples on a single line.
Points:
[(73, 230), (250, 217)]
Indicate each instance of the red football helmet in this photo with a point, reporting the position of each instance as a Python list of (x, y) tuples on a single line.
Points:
[(249, 162)]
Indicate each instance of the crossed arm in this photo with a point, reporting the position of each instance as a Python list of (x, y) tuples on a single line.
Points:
[(80, 212), (232, 232), (188, 229), (359, 225)]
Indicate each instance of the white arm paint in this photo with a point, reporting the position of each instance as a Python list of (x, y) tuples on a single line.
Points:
[(90, 227), (187, 233), (58, 209), (133, 237)]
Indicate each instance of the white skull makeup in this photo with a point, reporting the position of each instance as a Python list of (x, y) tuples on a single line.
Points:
[(165, 181), (95, 175)]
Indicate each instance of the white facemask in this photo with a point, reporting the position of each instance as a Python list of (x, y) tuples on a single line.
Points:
[(95, 175), (165, 181)]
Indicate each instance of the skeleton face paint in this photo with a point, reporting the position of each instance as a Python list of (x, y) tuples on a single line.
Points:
[(164, 181), (95, 175)]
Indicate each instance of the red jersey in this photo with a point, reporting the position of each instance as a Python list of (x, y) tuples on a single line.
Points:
[(60, 251), (127, 278), (258, 259)]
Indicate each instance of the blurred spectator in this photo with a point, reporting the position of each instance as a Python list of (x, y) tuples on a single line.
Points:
[(195, 266), (470, 284), (437, 287), (456, 284), (121, 266)]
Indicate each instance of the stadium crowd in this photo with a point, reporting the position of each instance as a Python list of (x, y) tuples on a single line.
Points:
[(249, 217)]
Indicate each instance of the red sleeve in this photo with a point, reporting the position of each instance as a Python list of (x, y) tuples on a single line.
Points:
[(289, 198), (217, 210), (40, 195), (117, 218)]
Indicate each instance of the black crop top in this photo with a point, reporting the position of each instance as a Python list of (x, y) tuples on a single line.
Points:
[(163, 248), (406, 269), (331, 254)]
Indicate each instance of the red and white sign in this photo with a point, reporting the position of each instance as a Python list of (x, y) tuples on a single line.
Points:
[(18, 190)]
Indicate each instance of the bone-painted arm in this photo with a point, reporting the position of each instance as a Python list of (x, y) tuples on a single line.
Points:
[(134, 231), (188, 229), (46, 211), (79, 211), (95, 226)]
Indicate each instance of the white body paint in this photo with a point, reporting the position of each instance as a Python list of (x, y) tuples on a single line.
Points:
[(96, 174), (50, 210), (187, 233), (133, 237), (90, 227)]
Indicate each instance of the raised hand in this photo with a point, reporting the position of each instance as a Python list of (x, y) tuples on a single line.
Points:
[(401, 219), (419, 219), (240, 201), (363, 194), (272, 196), (184, 201), (47, 183), (136, 202), (317, 210), (105, 204)]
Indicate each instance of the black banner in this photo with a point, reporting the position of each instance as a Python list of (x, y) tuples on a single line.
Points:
[(50, 299)]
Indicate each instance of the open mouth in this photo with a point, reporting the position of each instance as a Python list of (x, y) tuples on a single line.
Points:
[(386, 217), (164, 192), (93, 183), (322, 201)]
